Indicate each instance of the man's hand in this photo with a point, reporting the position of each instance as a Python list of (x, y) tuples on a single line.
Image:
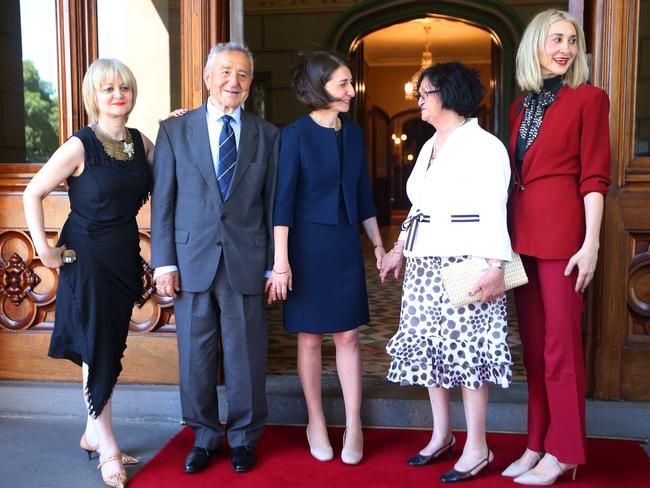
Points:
[(168, 284)]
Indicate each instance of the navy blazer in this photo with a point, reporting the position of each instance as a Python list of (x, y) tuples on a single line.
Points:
[(309, 174)]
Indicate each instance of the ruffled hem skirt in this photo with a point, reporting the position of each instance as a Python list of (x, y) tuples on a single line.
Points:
[(438, 344)]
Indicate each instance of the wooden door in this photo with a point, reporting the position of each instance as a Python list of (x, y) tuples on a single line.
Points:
[(379, 155), (618, 328)]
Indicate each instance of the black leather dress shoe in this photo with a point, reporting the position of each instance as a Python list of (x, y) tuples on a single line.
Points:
[(243, 458), (198, 459)]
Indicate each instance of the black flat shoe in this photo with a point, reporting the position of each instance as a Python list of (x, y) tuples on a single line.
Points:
[(421, 460), (243, 458), (454, 476), (198, 459)]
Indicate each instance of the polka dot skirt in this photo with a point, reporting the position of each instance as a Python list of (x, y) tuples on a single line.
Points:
[(438, 344)]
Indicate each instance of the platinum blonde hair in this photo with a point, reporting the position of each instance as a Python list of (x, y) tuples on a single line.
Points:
[(101, 71), (529, 71), (227, 46)]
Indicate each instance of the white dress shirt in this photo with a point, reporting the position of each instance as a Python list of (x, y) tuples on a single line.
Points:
[(460, 197), (213, 116)]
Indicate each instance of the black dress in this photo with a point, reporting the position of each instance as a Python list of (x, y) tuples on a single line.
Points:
[(96, 293)]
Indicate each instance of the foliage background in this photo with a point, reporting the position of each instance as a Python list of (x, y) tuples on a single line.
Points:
[(41, 115)]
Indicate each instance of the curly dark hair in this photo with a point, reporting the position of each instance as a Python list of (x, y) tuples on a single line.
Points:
[(309, 75), (460, 88)]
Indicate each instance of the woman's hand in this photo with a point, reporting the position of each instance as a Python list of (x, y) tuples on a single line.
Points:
[(585, 259), (491, 285), (279, 284), (392, 261), (179, 112), (51, 256), (380, 252)]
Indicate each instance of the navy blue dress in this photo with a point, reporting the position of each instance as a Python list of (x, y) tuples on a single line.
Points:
[(323, 192), (95, 294)]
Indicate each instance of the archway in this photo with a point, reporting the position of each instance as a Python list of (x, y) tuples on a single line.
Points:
[(497, 18), (499, 28)]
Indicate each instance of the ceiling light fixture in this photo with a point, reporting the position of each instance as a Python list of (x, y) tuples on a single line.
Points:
[(409, 86)]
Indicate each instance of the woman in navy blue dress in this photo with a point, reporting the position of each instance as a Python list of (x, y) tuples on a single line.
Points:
[(323, 193)]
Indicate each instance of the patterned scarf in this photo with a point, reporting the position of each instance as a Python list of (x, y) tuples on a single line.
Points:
[(535, 104)]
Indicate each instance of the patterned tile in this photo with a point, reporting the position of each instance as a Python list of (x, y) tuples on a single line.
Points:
[(384, 300)]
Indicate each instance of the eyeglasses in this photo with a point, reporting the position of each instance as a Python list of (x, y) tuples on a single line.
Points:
[(423, 95)]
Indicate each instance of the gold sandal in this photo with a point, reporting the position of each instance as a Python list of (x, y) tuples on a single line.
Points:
[(83, 443), (117, 480)]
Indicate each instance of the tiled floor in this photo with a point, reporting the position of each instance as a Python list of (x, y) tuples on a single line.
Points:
[(384, 302)]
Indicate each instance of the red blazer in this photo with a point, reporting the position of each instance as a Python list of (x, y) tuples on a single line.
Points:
[(569, 158)]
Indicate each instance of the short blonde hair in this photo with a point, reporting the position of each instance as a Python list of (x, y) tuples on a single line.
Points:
[(101, 71), (529, 72)]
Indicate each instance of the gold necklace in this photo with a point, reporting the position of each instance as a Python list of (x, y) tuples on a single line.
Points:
[(121, 150)]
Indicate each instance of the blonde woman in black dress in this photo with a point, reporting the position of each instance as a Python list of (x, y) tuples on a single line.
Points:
[(107, 168)]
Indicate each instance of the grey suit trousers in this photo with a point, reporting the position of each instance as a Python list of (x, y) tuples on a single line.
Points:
[(201, 318)]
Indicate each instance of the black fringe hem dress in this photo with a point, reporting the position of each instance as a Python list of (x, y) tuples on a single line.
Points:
[(96, 293)]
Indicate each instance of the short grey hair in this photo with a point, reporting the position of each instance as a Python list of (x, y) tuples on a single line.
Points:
[(228, 46)]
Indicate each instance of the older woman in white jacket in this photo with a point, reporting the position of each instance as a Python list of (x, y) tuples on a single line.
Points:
[(458, 190)]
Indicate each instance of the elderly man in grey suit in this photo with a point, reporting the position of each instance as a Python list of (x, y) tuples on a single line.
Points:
[(214, 182)]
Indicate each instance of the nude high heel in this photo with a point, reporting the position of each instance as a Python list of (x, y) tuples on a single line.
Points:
[(517, 469), (536, 479), (83, 443), (320, 453), (117, 480), (348, 456)]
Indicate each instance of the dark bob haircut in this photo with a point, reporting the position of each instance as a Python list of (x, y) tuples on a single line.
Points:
[(460, 87), (310, 74)]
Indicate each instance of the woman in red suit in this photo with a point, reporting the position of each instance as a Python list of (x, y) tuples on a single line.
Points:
[(560, 153)]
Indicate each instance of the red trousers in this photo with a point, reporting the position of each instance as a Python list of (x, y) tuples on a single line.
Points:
[(550, 324)]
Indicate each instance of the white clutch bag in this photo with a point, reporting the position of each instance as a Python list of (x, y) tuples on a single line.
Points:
[(459, 278)]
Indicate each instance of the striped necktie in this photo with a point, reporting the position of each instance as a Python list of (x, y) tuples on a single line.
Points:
[(227, 156)]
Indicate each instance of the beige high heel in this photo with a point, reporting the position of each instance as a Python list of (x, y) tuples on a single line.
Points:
[(536, 479), (117, 480), (320, 453), (83, 443), (348, 456), (517, 469)]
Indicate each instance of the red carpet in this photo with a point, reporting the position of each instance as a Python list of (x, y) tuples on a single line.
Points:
[(284, 461)]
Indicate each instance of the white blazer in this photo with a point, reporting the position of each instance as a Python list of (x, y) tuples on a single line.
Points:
[(459, 201)]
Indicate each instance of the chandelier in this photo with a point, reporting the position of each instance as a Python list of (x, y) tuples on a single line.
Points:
[(409, 86)]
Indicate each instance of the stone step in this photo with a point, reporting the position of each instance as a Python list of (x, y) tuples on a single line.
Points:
[(384, 405)]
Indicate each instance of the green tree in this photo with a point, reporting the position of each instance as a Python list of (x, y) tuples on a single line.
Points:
[(41, 115)]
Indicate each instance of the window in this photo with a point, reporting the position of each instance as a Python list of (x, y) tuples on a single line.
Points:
[(145, 35), (29, 127)]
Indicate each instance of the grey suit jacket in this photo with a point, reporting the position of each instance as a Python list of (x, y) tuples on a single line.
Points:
[(191, 226)]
